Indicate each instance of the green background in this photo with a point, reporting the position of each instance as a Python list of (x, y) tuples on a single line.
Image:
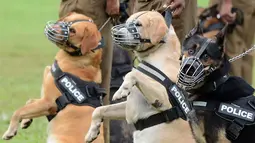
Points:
[(24, 53)]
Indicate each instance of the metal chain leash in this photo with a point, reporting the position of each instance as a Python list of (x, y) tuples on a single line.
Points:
[(243, 54)]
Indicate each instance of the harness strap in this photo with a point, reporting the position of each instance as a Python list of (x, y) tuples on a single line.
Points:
[(56, 70), (162, 117), (65, 99), (205, 106), (62, 101), (234, 129), (154, 73), (157, 75), (71, 93), (170, 114), (212, 86)]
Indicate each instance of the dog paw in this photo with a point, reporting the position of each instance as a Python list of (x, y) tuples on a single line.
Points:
[(9, 135), (93, 132), (25, 123), (119, 96), (123, 91)]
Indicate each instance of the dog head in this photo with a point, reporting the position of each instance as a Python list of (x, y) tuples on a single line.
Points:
[(202, 50), (141, 31), (200, 57), (74, 33)]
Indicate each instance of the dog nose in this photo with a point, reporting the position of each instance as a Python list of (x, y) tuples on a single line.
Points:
[(56, 29), (122, 33)]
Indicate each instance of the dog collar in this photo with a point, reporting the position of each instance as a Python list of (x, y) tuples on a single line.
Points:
[(77, 51)]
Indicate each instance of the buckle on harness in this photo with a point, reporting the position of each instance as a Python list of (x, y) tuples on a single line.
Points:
[(171, 114), (87, 91), (62, 101), (234, 129)]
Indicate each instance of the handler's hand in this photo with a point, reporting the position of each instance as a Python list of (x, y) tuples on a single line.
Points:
[(176, 5), (113, 8), (225, 12)]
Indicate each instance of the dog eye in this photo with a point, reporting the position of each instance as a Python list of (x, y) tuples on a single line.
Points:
[(72, 30), (138, 24), (191, 51), (205, 57)]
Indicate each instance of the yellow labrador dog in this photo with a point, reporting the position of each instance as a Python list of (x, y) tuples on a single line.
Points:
[(159, 46), (72, 121)]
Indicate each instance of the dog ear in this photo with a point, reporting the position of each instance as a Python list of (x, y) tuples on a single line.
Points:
[(90, 39), (221, 36), (158, 30), (199, 29)]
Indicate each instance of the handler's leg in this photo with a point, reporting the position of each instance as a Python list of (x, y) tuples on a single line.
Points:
[(187, 19)]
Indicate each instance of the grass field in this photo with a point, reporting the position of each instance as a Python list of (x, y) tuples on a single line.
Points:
[(24, 52)]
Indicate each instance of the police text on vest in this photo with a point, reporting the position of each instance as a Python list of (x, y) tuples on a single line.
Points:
[(180, 98), (72, 89), (235, 111)]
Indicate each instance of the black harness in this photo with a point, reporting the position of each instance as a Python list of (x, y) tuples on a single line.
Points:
[(239, 113), (181, 107), (75, 91)]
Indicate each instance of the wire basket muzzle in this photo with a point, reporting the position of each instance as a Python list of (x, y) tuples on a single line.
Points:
[(125, 38), (191, 73), (57, 32)]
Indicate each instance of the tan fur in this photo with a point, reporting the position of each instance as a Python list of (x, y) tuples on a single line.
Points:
[(198, 131), (71, 124), (222, 136), (140, 102)]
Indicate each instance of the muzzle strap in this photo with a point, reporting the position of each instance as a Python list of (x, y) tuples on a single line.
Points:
[(203, 48), (58, 33)]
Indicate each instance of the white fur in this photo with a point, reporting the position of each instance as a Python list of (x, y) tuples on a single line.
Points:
[(139, 102)]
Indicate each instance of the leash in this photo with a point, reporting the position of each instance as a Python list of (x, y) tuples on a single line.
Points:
[(101, 28), (242, 54), (168, 15)]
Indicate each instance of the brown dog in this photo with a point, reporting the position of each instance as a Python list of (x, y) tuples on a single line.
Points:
[(72, 123)]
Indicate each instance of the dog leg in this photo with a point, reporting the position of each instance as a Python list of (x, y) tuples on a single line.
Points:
[(154, 93), (114, 111), (25, 123), (36, 109), (126, 87)]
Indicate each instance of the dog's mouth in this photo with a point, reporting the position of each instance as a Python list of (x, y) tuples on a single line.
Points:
[(125, 38), (57, 32), (128, 37), (191, 74)]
